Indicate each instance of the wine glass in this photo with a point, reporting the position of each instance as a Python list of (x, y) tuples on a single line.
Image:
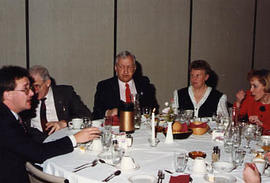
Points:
[(87, 122), (147, 114), (249, 133)]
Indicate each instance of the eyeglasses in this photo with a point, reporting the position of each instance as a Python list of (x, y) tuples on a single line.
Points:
[(26, 90), (129, 68), (38, 86)]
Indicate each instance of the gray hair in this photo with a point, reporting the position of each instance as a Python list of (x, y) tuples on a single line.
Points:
[(40, 70), (124, 54)]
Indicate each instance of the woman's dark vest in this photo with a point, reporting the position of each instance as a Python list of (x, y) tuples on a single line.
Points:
[(207, 109)]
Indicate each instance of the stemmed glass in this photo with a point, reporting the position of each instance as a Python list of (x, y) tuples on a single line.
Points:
[(249, 133), (87, 123), (147, 113)]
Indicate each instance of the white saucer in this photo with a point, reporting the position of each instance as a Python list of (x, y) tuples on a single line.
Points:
[(220, 178), (128, 170), (142, 179)]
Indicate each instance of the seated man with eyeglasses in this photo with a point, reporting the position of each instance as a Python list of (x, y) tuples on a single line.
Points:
[(111, 91), (55, 104), (17, 146)]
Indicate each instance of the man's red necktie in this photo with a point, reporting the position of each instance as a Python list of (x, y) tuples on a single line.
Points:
[(128, 94)]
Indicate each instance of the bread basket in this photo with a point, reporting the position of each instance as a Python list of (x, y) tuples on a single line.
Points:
[(199, 130)]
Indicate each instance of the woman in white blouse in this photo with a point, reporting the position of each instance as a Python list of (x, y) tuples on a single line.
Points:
[(203, 99)]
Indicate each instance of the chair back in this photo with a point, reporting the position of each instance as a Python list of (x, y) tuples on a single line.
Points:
[(38, 176)]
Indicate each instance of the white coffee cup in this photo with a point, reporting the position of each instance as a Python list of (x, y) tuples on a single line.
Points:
[(76, 123), (127, 163), (260, 164), (96, 145), (199, 166)]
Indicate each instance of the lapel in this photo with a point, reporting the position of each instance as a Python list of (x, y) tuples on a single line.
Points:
[(115, 87), (4, 110), (58, 103), (138, 86)]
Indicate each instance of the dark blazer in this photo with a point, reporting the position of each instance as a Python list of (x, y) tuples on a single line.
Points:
[(17, 147), (67, 103), (108, 97)]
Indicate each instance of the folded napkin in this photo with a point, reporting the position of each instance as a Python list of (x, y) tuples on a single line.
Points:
[(114, 119), (180, 178), (203, 125), (184, 127)]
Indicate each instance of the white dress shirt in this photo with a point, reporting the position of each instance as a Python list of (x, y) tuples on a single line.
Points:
[(50, 111), (122, 88), (221, 108)]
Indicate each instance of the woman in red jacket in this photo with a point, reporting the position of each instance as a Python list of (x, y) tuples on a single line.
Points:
[(256, 102)]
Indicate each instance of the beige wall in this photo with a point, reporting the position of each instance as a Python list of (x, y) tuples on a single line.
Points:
[(222, 35), (147, 32), (74, 39), (12, 33)]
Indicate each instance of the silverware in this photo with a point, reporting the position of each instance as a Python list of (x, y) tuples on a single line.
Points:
[(91, 163), (85, 166), (102, 161), (116, 173), (159, 175), (168, 171), (162, 177)]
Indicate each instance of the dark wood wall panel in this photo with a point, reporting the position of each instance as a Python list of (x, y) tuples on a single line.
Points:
[(262, 47)]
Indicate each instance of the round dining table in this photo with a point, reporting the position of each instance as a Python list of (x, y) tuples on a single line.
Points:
[(148, 159)]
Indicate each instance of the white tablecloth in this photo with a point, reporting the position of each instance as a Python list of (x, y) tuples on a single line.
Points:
[(150, 159)]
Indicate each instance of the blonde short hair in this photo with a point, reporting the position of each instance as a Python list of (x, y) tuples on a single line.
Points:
[(263, 76)]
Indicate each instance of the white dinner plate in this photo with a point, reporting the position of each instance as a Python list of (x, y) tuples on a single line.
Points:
[(142, 179), (220, 178)]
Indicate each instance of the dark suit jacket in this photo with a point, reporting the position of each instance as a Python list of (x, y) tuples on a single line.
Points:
[(67, 103), (17, 147), (108, 97)]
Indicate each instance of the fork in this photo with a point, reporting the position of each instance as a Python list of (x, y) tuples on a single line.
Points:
[(159, 175), (162, 176), (94, 163), (91, 163)]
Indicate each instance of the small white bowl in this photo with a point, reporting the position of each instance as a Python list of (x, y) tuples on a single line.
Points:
[(223, 166)]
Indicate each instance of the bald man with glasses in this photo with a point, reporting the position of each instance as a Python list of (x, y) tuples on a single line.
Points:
[(110, 92)]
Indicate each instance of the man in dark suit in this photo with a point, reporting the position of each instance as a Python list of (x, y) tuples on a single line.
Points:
[(61, 101), (16, 146), (111, 91)]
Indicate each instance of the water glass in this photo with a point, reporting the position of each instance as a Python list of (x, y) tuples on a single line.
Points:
[(258, 133), (238, 156), (106, 137), (107, 125), (249, 134), (180, 161), (228, 145), (236, 137)]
